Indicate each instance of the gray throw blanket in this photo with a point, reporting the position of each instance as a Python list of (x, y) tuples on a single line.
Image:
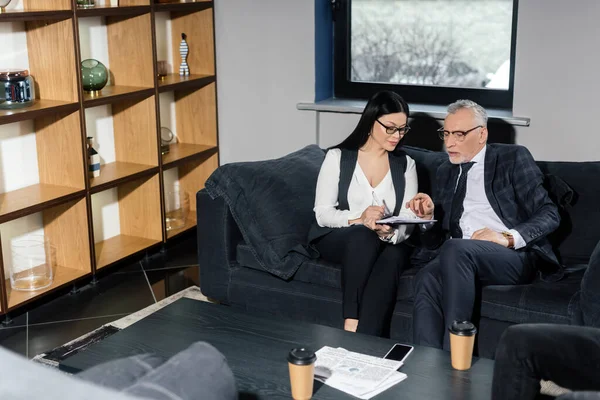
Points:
[(272, 203)]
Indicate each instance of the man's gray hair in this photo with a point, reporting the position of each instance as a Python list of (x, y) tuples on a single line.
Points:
[(478, 111)]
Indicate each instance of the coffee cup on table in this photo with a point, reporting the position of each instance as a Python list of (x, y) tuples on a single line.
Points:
[(462, 340), (301, 362)]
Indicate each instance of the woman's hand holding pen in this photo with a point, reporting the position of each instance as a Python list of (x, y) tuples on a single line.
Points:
[(371, 215)]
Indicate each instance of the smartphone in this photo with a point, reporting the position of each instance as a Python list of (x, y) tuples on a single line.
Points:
[(399, 352)]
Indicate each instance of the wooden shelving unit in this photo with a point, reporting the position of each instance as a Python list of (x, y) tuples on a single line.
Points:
[(109, 10), (117, 172), (184, 152), (113, 94), (140, 222), (65, 226), (63, 202), (176, 82), (38, 109)]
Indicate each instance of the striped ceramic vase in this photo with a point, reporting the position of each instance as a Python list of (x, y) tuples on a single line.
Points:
[(184, 69)]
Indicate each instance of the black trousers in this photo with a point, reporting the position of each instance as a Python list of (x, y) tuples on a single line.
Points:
[(567, 355), (447, 288), (370, 272)]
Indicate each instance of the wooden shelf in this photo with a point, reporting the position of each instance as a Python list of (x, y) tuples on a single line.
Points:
[(39, 108), (113, 94), (184, 6), (30, 199), (190, 222), (35, 15), (116, 173), (118, 247), (62, 276), (68, 204), (183, 152), (176, 82), (108, 11)]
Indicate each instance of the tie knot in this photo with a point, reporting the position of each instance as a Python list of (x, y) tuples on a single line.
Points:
[(465, 167)]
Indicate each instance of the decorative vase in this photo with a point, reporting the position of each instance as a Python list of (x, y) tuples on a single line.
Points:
[(162, 69), (94, 76), (184, 69), (93, 159), (3, 4), (166, 138), (86, 3)]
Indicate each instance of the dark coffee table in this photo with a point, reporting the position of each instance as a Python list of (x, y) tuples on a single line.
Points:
[(256, 348)]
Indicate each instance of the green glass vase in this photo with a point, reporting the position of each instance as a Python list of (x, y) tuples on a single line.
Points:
[(94, 76)]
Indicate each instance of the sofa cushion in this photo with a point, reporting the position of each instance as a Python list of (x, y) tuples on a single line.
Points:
[(321, 272), (317, 271), (427, 163), (539, 302), (272, 204), (576, 237), (590, 291)]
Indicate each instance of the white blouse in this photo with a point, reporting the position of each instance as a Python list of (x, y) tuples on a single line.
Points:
[(361, 195)]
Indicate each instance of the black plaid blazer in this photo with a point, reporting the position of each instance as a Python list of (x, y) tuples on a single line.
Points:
[(514, 188)]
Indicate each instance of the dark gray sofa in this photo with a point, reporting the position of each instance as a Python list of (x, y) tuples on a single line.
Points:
[(251, 218)]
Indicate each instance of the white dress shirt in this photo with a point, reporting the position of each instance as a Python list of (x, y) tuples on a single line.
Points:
[(478, 212), (361, 195)]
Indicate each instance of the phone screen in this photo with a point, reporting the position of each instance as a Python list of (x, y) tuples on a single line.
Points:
[(399, 352)]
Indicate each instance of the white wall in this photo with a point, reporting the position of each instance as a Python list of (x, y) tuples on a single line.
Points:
[(556, 78), (265, 65)]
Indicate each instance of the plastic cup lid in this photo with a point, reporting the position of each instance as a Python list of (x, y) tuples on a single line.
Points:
[(462, 328), (301, 356)]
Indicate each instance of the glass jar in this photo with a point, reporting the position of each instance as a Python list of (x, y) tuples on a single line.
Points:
[(17, 88), (177, 207), (33, 263)]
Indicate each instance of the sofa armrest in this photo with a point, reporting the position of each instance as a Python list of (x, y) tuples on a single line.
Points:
[(580, 396), (218, 237)]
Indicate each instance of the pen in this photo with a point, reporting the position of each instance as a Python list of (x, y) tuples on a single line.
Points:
[(387, 211)]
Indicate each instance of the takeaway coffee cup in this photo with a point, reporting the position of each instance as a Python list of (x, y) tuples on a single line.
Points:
[(462, 339), (301, 362)]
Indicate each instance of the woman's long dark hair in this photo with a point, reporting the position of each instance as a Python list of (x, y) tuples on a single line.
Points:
[(381, 103)]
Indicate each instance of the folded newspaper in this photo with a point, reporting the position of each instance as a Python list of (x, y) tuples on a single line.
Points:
[(357, 374)]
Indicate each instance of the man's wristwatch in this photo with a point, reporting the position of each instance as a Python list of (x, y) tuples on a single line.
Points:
[(511, 239)]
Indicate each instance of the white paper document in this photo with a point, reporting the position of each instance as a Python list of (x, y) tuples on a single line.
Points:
[(357, 374), (404, 220)]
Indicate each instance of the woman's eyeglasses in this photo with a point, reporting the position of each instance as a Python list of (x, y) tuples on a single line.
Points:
[(390, 130)]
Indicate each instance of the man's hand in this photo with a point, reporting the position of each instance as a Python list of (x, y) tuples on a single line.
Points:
[(490, 236), (422, 206)]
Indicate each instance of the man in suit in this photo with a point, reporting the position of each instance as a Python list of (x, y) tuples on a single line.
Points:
[(493, 215)]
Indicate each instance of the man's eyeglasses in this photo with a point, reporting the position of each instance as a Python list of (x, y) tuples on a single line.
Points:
[(459, 135), (390, 130)]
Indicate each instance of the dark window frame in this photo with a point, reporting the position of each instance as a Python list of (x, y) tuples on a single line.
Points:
[(344, 87)]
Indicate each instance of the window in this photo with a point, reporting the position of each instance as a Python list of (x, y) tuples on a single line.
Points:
[(429, 51)]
